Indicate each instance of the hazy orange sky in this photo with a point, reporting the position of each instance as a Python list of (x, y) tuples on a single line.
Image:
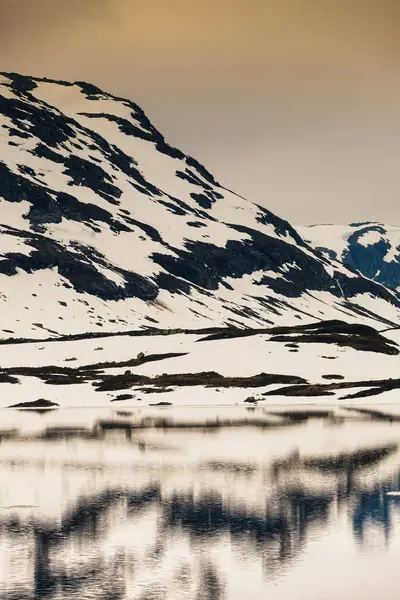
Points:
[(294, 104)]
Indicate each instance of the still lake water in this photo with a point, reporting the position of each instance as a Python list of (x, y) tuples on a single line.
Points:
[(288, 510)]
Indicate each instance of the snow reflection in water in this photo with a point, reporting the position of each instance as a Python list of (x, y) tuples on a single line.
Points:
[(293, 509)]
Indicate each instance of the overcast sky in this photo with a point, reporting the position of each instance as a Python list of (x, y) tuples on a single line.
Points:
[(294, 104)]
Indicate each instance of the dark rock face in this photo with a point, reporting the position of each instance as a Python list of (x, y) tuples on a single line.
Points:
[(37, 121), (48, 206), (370, 260), (206, 265), (281, 227), (84, 172), (78, 266), (378, 260)]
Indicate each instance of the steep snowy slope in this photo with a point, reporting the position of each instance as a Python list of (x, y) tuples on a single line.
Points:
[(105, 226), (371, 248)]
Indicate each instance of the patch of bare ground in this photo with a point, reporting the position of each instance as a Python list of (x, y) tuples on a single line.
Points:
[(41, 403), (57, 375), (340, 333), (206, 379), (374, 387)]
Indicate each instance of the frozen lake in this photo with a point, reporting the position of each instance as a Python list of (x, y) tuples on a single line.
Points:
[(120, 505)]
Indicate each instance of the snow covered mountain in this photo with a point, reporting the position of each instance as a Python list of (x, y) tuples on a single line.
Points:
[(104, 226), (371, 248)]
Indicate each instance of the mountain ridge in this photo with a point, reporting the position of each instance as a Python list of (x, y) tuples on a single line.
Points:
[(104, 224)]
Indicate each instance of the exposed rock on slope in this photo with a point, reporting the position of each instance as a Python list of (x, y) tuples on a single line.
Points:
[(104, 225), (373, 249)]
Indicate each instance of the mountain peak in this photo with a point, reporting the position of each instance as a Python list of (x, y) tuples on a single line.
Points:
[(105, 225)]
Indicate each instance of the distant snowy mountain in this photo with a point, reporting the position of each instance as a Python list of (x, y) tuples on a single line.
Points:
[(371, 248), (104, 226)]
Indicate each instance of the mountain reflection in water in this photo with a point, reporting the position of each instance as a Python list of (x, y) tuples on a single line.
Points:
[(167, 514)]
